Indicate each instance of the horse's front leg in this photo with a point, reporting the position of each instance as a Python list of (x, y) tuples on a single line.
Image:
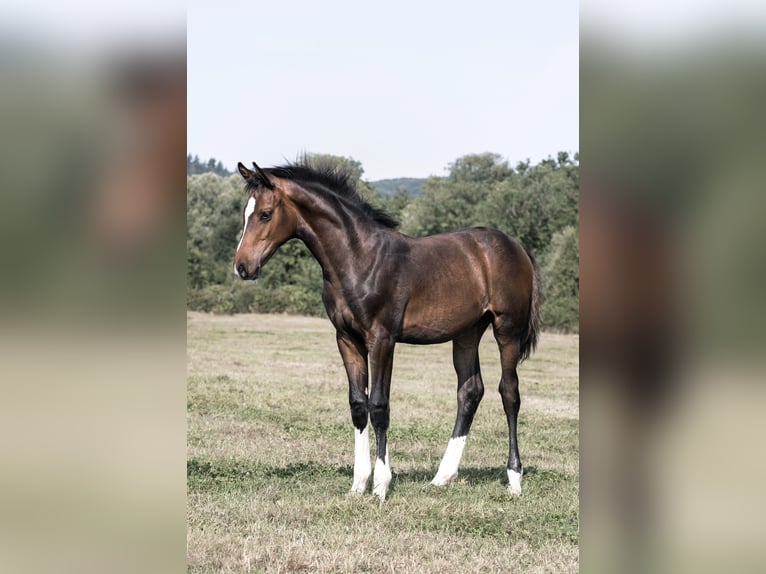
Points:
[(355, 360), (381, 366)]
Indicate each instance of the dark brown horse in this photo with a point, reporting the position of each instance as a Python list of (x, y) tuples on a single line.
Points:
[(382, 287)]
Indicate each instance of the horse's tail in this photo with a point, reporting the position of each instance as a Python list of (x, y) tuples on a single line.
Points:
[(534, 322)]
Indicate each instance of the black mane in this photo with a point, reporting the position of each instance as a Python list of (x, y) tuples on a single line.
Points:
[(334, 180)]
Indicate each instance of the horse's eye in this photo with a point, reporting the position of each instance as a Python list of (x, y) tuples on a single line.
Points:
[(265, 216)]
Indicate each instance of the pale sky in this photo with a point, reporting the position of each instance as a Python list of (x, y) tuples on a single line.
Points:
[(403, 87)]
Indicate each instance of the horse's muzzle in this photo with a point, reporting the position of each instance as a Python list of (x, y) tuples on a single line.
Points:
[(244, 274)]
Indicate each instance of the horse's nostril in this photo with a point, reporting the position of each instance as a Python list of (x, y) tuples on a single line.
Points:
[(241, 270)]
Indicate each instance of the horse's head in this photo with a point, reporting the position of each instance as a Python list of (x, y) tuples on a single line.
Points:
[(269, 222)]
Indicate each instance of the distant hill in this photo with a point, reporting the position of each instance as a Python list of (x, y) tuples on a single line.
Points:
[(388, 187)]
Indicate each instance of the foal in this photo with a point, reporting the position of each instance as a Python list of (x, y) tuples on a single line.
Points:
[(382, 287)]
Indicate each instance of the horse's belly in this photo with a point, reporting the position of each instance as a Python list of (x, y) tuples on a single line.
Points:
[(440, 320)]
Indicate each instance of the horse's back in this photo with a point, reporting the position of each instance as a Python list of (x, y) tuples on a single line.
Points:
[(489, 254)]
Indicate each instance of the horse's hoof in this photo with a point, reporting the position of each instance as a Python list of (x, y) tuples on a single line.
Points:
[(380, 492), (443, 480), (359, 486), (381, 480)]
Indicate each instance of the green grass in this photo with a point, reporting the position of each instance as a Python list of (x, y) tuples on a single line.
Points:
[(270, 455)]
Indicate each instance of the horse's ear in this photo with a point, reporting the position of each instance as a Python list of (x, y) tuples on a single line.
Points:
[(263, 177), (248, 175)]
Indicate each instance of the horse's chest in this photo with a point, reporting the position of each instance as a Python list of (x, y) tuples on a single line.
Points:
[(338, 310), (355, 311)]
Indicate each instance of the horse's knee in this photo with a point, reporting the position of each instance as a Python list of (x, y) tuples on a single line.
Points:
[(379, 412), (359, 413)]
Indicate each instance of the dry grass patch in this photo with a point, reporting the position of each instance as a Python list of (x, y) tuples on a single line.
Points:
[(270, 454)]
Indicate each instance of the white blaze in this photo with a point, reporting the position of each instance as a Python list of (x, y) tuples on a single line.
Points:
[(362, 468), (249, 209), (450, 462)]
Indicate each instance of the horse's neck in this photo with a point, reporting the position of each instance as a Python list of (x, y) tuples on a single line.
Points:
[(339, 241)]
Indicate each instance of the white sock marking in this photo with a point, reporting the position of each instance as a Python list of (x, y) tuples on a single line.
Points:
[(381, 478), (450, 462), (249, 210), (514, 481), (362, 467)]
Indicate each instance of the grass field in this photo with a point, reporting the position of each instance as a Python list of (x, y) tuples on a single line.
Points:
[(270, 455)]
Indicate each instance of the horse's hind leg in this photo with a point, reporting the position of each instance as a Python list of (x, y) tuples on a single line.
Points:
[(470, 389), (509, 391)]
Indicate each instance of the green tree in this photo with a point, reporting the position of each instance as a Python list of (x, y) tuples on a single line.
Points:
[(452, 203), (213, 223), (534, 205), (343, 164), (396, 203), (561, 281), (522, 167), (196, 167), (486, 168), (444, 206)]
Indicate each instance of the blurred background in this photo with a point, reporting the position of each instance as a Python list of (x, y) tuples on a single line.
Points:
[(672, 284), (92, 322)]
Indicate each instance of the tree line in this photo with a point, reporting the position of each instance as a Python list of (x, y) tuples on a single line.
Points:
[(195, 166), (536, 204)]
